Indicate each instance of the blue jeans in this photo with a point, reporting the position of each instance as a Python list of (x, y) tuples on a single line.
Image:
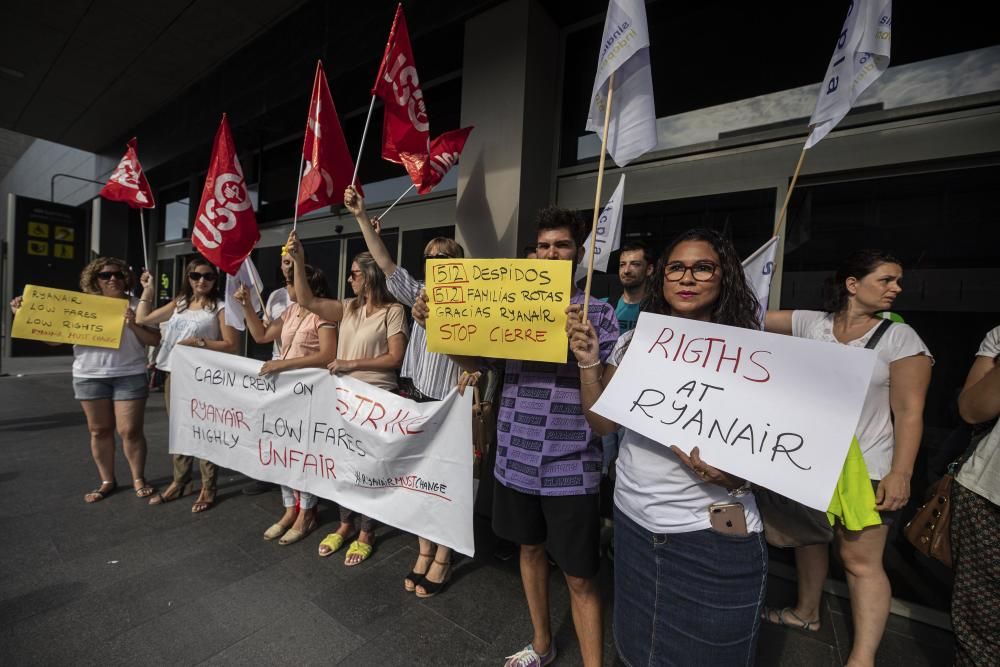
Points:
[(687, 599)]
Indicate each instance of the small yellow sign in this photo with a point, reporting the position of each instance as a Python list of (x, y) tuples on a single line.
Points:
[(501, 308), (38, 247), (65, 233), (39, 229), (61, 316), (62, 250)]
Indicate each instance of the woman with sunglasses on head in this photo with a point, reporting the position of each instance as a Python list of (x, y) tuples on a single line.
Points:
[(889, 433), (431, 375), (111, 385), (195, 317), (685, 593), (307, 341), (370, 348)]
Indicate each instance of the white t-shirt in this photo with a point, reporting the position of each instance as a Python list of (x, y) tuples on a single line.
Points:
[(277, 303), (981, 472), (102, 362), (657, 491), (187, 324), (874, 429)]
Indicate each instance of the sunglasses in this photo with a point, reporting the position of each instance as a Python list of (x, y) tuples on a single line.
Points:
[(195, 276), (108, 275), (353, 275)]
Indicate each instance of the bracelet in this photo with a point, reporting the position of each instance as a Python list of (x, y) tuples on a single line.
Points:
[(149, 301), (597, 381), (741, 490), (593, 365)]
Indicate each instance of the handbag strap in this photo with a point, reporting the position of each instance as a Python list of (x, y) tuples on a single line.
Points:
[(877, 336)]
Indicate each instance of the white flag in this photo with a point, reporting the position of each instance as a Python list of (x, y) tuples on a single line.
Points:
[(625, 51), (759, 269), (609, 233), (860, 57), (247, 274)]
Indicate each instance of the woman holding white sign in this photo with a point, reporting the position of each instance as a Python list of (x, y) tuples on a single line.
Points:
[(373, 334), (888, 432), (196, 317), (111, 385), (307, 341), (688, 590)]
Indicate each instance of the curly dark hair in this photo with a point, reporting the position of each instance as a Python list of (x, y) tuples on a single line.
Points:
[(553, 217), (858, 265), (88, 277), (185, 294), (737, 305), (317, 281)]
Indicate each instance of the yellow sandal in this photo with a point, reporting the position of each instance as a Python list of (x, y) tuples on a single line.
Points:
[(358, 549), (333, 542)]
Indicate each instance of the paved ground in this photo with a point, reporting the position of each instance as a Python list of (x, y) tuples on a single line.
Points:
[(118, 582)]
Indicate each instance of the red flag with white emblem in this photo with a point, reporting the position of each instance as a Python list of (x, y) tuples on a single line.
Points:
[(445, 152), (225, 230), (405, 128), (127, 182), (328, 165)]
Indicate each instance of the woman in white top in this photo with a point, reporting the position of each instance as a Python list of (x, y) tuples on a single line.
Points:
[(111, 385), (432, 375), (975, 517), (685, 594), (307, 342), (196, 316), (370, 348), (888, 432)]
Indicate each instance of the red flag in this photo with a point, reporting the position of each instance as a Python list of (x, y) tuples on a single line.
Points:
[(445, 151), (328, 164), (405, 129), (128, 183), (226, 229)]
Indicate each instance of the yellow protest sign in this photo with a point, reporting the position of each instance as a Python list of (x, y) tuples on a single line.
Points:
[(501, 308), (60, 316)]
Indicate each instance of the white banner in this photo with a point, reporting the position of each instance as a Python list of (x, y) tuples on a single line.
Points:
[(759, 269), (777, 410), (609, 233), (234, 311), (406, 464), (859, 58), (625, 51)]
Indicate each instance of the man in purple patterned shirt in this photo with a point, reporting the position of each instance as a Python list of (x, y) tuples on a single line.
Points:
[(548, 468)]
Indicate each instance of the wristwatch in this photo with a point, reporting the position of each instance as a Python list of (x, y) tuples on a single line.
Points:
[(741, 490), (201, 342)]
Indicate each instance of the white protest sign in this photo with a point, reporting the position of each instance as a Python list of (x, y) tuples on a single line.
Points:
[(403, 463), (777, 410)]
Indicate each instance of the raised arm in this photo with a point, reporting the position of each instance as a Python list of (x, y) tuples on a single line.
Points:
[(258, 331), (594, 375), (145, 336), (980, 398), (144, 315), (355, 203), (327, 309)]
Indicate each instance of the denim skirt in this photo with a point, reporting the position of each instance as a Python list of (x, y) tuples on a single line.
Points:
[(687, 598)]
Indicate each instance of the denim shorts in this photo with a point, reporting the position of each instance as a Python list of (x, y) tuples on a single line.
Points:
[(123, 388), (687, 598)]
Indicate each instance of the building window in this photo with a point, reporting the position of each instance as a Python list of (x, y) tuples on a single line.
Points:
[(176, 202)]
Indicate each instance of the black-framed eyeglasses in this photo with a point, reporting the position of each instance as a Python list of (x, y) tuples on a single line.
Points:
[(108, 275), (195, 276), (700, 271), (438, 256)]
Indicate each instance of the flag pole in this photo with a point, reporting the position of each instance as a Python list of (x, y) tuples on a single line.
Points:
[(145, 249), (788, 193), (298, 190), (364, 133), (381, 215), (597, 198)]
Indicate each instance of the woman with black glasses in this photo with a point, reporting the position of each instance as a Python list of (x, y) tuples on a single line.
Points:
[(196, 316), (111, 384)]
